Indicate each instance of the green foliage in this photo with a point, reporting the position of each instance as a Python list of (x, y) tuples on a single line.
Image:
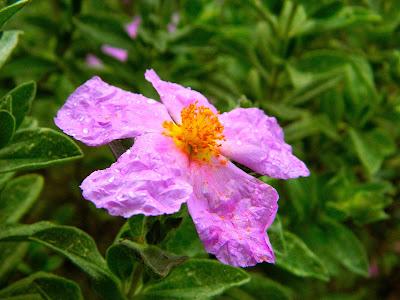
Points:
[(8, 11), (328, 70), (299, 259), (7, 127), (42, 286), (18, 196), (72, 243), (8, 41), (192, 280), (37, 148)]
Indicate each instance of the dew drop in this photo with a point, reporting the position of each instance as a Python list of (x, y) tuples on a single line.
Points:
[(85, 130), (111, 179)]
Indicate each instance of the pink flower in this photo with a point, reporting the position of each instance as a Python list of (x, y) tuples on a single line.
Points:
[(117, 53), (173, 24), (132, 27), (93, 61), (182, 153)]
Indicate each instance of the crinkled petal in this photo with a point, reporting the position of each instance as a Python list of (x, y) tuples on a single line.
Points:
[(231, 211), (175, 97), (256, 140), (148, 179), (98, 113)]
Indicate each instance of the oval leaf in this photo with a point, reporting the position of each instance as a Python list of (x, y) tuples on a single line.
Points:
[(8, 11), (22, 97), (72, 243), (8, 41), (299, 259), (18, 196), (345, 247), (37, 148), (43, 286), (196, 279)]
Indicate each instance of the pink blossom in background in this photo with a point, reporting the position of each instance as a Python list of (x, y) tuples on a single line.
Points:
[(373, 269), (117, 53), (182, 154), (132, 27), (93, 61), (173, 24)]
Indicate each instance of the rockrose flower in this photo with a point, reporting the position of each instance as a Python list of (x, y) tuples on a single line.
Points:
[(182, 153)]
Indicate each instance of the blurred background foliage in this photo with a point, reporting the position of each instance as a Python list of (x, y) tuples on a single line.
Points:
[(328, 70)]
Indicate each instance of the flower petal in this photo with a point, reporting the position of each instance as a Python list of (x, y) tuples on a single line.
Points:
[(117, 53), (256, 140), (98, 113), (175, 97), (231, 211), (148, 179), (132, 27)]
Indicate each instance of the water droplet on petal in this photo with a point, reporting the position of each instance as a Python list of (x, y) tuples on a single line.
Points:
[(85, 130), (111, 179)]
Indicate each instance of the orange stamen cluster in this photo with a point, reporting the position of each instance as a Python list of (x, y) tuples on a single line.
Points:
[(199, 133)]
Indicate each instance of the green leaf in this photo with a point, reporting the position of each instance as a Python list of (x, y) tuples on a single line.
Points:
[(43, 286), (120, 261), (184, 240), (72, 243), (345, 247), (137, 225), (6, 103), (159, 261), (345, 17), (37, 148), (22, 97), (18, 196), (11, 254), (196, 279), (370, 157), (15, 200), (4, 178), (275, 233), (104, 29), (8, 41), (8, 11), (261, 287), (7, 127), (300, 260)]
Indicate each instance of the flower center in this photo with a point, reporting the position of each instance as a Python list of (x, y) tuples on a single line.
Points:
[(200, 133)]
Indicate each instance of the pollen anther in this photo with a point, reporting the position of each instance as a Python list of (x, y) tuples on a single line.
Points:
[(199, 134)]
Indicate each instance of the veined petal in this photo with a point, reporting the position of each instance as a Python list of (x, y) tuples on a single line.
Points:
[(256, 140), (98, 113), (231, 211), (148, 179), (175, 97)]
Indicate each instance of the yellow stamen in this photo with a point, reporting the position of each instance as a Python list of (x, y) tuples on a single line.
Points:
[(200, 133)]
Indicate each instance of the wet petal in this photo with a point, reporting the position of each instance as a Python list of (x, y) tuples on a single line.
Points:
[(231, 211), (148, 179), (256, 140), (98, 113), (175, 97)]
